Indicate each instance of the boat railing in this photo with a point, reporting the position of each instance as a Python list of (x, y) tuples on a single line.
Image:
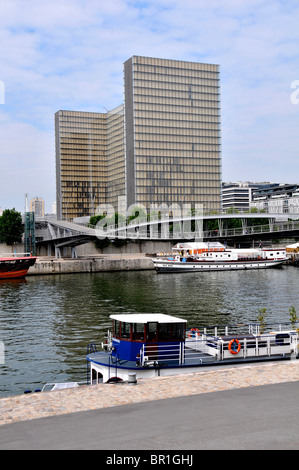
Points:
[(52, 386), (92, 348), (219, 347), (241, 328)]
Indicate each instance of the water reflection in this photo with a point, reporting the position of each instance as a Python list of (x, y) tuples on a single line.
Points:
[(46, 322)]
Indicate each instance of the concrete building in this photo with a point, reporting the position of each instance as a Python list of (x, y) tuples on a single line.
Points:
[(277, 198), (37, 205), (237, 195)]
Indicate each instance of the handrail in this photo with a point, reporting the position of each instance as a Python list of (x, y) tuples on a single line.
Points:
[(266, 344), (91, 348)]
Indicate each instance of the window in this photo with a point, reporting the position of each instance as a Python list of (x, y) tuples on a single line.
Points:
[(171, 331), (138, 332), (116, 329), (125, 330)]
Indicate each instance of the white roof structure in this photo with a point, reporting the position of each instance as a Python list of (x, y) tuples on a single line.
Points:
[(294, 245), (197, 245), (147, 317)]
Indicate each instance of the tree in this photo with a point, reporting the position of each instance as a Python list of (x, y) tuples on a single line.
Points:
[(11, 227), (95, 219), (261, 318), (293, 316)]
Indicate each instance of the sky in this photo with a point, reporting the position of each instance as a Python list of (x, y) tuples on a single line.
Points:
[(69, 55)]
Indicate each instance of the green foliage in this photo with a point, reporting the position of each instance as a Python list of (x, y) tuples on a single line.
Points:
[(95, 219), (293, 316), (11, 227), (137, 212), (261, 318)]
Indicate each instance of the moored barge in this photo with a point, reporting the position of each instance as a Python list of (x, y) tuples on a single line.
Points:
[(203, 257), (149, 345), (15, 267)]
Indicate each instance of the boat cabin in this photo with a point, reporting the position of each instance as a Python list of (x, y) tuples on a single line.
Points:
[(197, 248), (133, 331)]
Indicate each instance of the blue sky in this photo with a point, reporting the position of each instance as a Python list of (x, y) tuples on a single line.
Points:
[(69, 54)]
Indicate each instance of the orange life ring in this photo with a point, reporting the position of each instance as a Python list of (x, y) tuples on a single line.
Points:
[(193, 332), (234, 346)]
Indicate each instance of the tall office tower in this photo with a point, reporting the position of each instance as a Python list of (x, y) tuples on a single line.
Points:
[(37, 205), (81, 163), (172, 133)]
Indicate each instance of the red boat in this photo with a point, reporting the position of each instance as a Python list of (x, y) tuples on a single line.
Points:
[(15, 267)]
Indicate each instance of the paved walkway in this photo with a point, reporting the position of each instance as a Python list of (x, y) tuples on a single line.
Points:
[(41, 405)]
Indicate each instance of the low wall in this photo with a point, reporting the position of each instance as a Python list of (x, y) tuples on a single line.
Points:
[(10, 250), (90, 265)]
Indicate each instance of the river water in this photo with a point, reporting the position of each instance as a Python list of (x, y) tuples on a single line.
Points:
[(46, 322)]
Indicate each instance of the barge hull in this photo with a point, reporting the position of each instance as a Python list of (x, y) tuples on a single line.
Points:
[(171, 267)]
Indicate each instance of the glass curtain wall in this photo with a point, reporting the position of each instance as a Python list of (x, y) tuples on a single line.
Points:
[(172, 132), (81, 163), (115, 156)]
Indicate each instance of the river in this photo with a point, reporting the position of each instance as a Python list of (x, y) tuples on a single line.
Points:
[(46, 322)]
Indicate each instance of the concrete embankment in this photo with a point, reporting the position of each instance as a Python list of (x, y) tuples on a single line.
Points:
[(92, 397), (93, 264)]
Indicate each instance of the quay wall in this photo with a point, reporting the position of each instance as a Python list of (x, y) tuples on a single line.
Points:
[(90, 265)]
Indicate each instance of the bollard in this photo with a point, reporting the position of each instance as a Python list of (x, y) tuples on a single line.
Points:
[(132, 379)]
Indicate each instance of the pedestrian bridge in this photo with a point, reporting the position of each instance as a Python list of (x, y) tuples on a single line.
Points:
[(61, 234)]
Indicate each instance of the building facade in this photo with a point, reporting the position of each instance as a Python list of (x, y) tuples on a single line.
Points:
[(116, 175), (172, 133), (161, 147), (81, 163), (276, 198), (37, 205), (238, 195)]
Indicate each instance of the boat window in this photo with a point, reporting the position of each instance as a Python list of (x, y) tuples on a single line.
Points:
[(152, 331), (171, 331), (164, 331), (138, 332), (116, 328), (125, 330), (178, 331)]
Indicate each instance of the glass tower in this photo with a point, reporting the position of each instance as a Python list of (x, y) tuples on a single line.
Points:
[(172, 133), (115, 157), (81, 163), (161, 147)]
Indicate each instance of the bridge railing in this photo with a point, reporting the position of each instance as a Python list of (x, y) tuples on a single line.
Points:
[(173, 228), (165, 232)]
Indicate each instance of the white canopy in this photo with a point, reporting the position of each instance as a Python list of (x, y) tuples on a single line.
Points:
[(197, 245), (293, 246), (147, 317)]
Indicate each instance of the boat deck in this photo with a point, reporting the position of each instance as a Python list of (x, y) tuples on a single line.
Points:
[(200, 360)]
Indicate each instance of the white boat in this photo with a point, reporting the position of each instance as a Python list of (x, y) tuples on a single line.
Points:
[(150, 345), (201, 257)]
